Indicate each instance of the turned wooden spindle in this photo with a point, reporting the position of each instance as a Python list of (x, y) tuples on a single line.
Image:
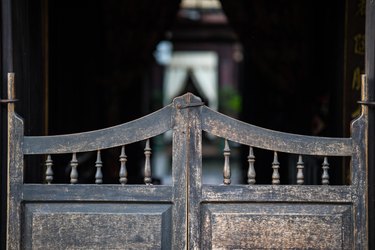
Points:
[(98, 165), (300, 167), (251, 171), (123, 172), (49, 171), (226, 171), (275, 166), (147, 178), (74, 172), (325, 175)]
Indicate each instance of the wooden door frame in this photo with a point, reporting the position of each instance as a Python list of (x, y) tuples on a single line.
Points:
[(370, 72), (6, 64)]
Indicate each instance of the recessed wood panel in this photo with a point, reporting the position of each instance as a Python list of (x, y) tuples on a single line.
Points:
[(276, 226), (97, 226)]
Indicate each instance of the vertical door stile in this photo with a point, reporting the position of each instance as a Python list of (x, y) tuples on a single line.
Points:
[(186, 168), (179, 177), (359, 133), (15, 171), (194, 184), (9, 239)]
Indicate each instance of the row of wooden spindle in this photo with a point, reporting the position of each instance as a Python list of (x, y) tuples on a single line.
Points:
[(251, 174), (123, 174)]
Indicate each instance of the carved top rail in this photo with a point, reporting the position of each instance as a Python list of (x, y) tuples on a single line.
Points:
[(244, 133), (212, 122), (143, 128)]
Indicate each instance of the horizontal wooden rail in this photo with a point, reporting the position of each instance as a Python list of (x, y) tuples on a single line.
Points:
[(146, 127), (93, 192), (243, 133), (277, 193)]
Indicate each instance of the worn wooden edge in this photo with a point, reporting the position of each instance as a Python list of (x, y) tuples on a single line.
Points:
[(143, 128), (194, 177), (93, 192), (243, 133), (359, 128), (359, 173), (15, 180), (181, 150), (277, 193)]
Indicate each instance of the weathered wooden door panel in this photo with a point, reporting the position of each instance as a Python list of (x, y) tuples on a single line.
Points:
[(66, 216), (277, 217), (97, 226), (277, 226)]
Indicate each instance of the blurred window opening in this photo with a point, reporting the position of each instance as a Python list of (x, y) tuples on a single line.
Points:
[(200, 67)]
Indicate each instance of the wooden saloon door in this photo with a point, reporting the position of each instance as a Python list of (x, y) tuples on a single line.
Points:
[(186, 214), (275, 216), (107, 216)]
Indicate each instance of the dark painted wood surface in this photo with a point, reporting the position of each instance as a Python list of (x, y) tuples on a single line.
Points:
[(187, 214)]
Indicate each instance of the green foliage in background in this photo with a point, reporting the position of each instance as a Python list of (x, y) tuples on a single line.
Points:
[(230, 101)]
